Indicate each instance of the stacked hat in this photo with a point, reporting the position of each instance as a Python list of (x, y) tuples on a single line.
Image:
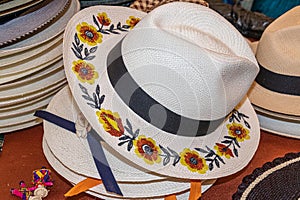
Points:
[(71, 157), (31, 65), (275, 92), (155, 106)]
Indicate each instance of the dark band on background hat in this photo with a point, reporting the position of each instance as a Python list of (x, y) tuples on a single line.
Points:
[(280, 83), (147, 107)]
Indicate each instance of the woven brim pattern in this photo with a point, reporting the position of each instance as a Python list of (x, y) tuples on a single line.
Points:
[(279, 179)]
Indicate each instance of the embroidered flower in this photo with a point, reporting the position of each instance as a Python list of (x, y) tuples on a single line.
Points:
[(146, 148), (238, 131), (193, 161), (111, 122), (132, 21), (223, 150), (84, 71), (103, 19), (88, 34)]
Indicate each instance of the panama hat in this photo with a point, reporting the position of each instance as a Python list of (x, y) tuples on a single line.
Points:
[(276, 88), (73, 153), (170, 95), (275, 92)]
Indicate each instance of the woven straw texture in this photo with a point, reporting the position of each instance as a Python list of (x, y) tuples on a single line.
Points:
[(148, 5)]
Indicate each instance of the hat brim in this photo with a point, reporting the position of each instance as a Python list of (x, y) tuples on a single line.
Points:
[(169, 158), (273, 101), (277, 123), (65, 145), (99, 191)]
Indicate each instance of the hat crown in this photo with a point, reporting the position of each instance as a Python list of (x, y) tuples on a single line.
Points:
[(278, 49), (198, 67)]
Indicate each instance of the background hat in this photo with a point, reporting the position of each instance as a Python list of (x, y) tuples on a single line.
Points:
[(276, 87), (147, 6), (31, 68), (173, 76), (32, 21)]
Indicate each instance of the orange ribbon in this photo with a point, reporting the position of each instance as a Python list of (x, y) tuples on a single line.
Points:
[(171, 197), (195, 191), (83, 186)]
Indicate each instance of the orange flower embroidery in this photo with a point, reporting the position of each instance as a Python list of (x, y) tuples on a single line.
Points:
[(103, 19), (193, 161), (132, 21), (223, 150), (146, 148), (85, 72), (238, 131), (88, 34), (111, 122)]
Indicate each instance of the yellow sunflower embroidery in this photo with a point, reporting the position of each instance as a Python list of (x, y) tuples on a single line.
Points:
[(88, 34), (238, 131), (84, 71), (193, 161), (147, 149)]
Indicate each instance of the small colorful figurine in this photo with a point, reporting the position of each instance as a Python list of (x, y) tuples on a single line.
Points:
[(23, 192), (41, 180), (42, 177)]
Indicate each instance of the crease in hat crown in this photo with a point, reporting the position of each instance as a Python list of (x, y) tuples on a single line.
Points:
[(204, 58)]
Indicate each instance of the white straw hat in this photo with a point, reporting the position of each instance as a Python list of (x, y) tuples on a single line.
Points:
[(277, 86), (166, 95)]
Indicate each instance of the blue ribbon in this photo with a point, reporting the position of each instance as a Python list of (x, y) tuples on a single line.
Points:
[(93, 138)]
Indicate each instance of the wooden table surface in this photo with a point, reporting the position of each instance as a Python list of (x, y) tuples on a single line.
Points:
[(22, 153)]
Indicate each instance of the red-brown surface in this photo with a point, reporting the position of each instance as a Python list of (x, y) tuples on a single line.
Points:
[(22, 153)]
